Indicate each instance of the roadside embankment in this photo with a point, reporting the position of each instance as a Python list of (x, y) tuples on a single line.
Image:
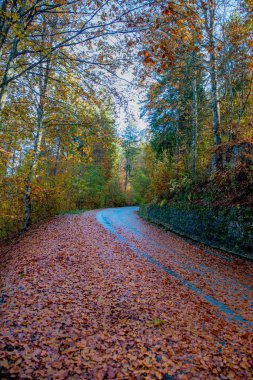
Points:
[(227, 228)]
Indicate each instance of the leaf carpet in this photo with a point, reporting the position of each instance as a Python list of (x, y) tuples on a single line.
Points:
[(78, 304)]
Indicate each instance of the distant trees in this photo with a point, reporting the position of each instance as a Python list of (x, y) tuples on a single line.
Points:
[(61, 153), (130, 141)]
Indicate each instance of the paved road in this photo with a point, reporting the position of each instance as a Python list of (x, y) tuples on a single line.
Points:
[(105, 295), (221, 279)]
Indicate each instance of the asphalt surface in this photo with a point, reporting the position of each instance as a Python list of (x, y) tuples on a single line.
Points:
[(188, 262)]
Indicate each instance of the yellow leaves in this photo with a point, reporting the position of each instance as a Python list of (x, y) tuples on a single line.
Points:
[(157, 322), (61, 2), (4, 363), (245, 364), (12, 16), (18, 31), (81, 344), (5, 153)]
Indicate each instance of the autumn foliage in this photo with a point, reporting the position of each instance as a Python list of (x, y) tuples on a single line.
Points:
[(197, 57)]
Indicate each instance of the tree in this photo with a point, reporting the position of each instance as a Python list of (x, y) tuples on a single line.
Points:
[(130, 148), (25, 35), (196, 57)]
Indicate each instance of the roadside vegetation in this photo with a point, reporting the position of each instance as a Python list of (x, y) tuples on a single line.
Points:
[(60, 97)]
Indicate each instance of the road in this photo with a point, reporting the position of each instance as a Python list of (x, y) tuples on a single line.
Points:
[(105, 295), (196, 266)]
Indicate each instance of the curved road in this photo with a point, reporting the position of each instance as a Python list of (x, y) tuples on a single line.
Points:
[(221, 279), (104, 295)]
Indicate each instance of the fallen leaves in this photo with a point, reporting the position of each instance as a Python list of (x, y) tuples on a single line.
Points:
[(86, 307)]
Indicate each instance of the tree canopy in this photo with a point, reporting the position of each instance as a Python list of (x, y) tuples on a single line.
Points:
[(60, 94)]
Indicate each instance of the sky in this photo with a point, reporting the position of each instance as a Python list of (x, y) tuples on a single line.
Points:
[(134, 109), (134, 97)]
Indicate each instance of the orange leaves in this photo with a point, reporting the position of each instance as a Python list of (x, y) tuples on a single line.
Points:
[(245, 364), (131, 43), (57, 365), (87, 306), (148, 60), (169, 39), (168, 11)]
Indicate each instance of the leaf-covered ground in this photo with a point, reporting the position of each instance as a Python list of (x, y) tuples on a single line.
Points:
[(78, 302)]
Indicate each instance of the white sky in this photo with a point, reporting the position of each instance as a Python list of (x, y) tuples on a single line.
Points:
[(134, 98), (134, 109)]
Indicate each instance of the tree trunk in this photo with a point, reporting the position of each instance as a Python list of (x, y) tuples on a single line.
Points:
[(57, 157), (13, 162), (240, 113), (44, 74), (3, 97), (27, 204), (177, 149), (194, 127), (231, 110), (126, 174), (33, 169), (8, 71), (215, 105), (209, 16)]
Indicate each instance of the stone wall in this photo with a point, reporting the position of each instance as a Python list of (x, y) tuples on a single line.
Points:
[(228, 228)]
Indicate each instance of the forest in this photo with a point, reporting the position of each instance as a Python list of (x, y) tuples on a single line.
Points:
[(62, 68), (126, 189)]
